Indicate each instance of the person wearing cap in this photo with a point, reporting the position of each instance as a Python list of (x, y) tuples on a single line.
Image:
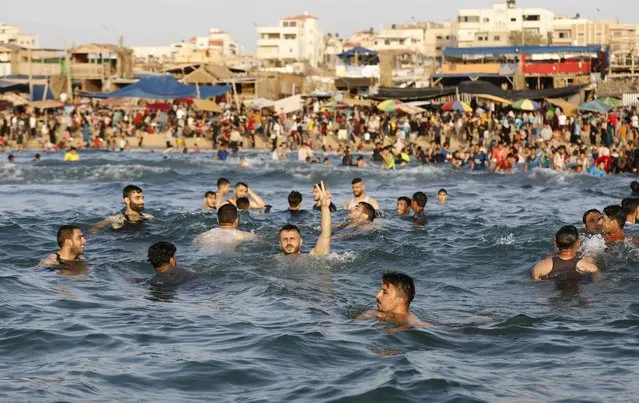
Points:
[(72, 155)]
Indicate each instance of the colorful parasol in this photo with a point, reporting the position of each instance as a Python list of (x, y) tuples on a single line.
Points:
[(526, 105), (457, 106)]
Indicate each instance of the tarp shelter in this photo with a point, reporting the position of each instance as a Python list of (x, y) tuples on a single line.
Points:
[(47, 104), (288, 105), (207, 106), (38, 93), (493, 98), (259, 103), (568, 108), (595, 106), (199, 76), (10, 86), (163, 88), (16, 100), (363, 55)]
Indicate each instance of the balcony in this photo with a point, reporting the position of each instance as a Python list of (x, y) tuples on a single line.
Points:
[(88, 71)]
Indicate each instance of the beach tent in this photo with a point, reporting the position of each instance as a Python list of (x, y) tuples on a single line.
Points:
[(288, 105), (164, 88), (207, 106), (568, 108), (595, 106)]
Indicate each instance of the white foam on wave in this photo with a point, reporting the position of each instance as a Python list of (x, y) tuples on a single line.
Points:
[(506, 240), (49, 174), (594, 246)]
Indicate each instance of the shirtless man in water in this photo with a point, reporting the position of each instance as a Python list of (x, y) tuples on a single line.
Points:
[(359, 195), (228, 220), (132, 214), (291, 238), (242, 190), (393, 302), (71, 242)]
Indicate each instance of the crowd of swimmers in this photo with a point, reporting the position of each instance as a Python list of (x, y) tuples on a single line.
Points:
[(397, 289)]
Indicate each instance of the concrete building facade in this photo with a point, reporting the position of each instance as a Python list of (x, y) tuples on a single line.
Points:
[(495, 26), (295, 39), (13, 35)]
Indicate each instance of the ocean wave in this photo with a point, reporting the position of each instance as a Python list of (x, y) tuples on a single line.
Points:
[(33, 174)]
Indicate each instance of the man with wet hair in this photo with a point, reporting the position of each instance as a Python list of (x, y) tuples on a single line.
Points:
[(132, 216), (316, 199), (359, 195), (631, 207), (223, 188), (566, 265), (71, 241), (228, 220), (363, 213), (442, 196), (593, 223), (162, 256), (210, 201), (613, 224), (290, 237), (634, 188), (418, 204), (243, 190), (403, 205), (394, 297), (243, 204), (294, 202)]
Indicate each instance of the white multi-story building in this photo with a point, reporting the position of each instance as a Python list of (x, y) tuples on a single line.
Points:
[(295, 39), (494, 26), (219, 42), (13, 35), (407, 37), (439, 37)]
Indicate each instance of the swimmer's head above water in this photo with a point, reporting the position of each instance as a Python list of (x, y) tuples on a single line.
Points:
[(396, 293), (290, 240), (71, 239), (362, 213), (227, 216), (162, 255), (294, 201), (593, 222), (210, 200), (403, 205), (133, 198)]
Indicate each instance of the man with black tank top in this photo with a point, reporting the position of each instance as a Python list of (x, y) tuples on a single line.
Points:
[(566, 265), (71, 242)]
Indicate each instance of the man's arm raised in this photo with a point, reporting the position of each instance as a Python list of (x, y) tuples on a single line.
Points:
[(256, 201), (323, 246)]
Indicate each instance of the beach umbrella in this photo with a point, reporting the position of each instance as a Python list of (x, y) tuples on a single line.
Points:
[(610, 101), (595, 106), (526, 105), (457, 106), (390, 105)]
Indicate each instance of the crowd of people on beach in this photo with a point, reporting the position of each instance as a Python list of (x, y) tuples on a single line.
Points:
[(397, 289), (491, 138)]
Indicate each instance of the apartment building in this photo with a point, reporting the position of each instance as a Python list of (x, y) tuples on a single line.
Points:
[(403, 37), (295, 39), (494, 26), (622, 38), (439, 37), (13, 35), (219, 42), (362, 39)]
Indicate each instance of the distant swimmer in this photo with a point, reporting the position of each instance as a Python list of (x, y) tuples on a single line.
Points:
[(403, 205), (630, 206), (295, 202), (228, 220), (634, 188), (418, 204), (442, 196), (223, 188), (393, 302), (11, 159), (69, 259), (132, 216), (291, 238), (593, 223), (243, 190), (613, 223), (359, 195), (210, 201), (565, 265), (162, 256), (316, 199), (244, 162), (72, 155)]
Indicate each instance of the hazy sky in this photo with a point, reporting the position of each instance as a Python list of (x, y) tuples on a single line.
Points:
[(160, 22)]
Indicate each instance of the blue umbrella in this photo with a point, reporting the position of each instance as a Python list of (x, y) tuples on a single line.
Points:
[(595, 106)]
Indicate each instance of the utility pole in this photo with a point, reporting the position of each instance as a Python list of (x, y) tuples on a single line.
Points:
[(67, 61), (30, 77)]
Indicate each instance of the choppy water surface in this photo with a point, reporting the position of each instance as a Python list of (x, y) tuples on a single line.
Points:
[(259, 327)]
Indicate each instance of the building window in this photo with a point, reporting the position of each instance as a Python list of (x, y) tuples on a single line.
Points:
[(447, 37), (532, 17), (468, 18), (513, 19), (292, 24), (486, 19), (481, 38), (289, 36), (387, 42), (562, 35), (439, 37), (498, 38), (438, 48)]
